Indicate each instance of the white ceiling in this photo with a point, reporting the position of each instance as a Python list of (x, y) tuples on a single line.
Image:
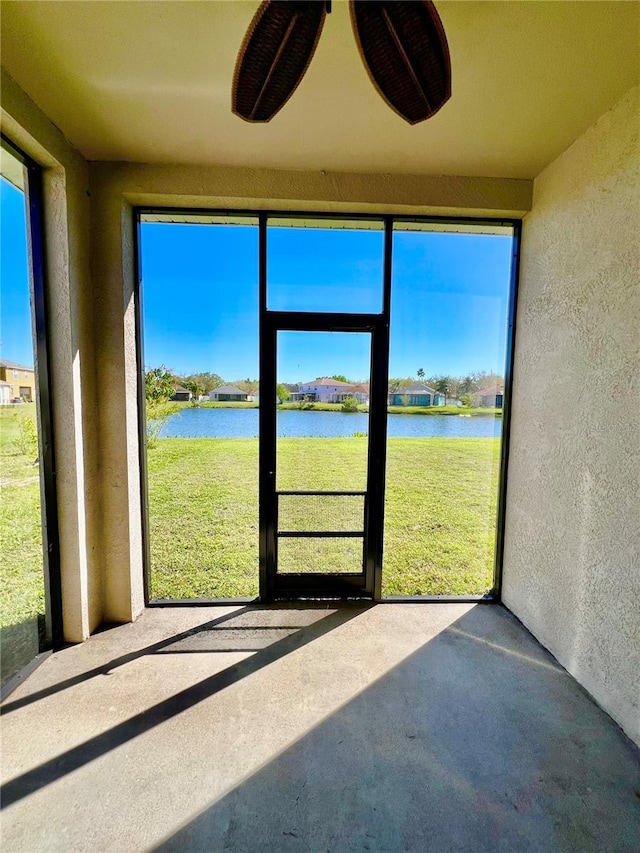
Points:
[(151, 82)]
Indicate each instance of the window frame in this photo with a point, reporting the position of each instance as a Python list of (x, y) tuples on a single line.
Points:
[(138, 212), (40, 312)]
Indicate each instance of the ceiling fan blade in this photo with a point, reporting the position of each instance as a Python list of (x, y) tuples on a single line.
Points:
[(404, 48), (274, 55)]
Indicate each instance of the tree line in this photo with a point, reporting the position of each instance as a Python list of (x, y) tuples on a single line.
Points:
[(162, 380), (160, 384), (452, 387)]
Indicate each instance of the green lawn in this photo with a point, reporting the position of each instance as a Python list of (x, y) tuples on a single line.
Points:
[(22, 588), (439, 526), (203, 517), (440, 513)]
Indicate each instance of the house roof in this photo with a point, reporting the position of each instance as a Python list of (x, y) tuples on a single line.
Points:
[(327, 381), (181, 390), (418, 388), (229, 389), (12, 365), (492, 391), (360, 388)]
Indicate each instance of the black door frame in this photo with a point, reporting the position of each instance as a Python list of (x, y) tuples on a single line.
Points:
[(272, 584), (368, 584)]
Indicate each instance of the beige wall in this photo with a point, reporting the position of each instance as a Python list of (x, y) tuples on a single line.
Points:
[(67, 211), (572, 549)]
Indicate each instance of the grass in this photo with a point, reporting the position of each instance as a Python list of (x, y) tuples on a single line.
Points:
[(440, 515), (22, 590), (439, 527), (203, 517)]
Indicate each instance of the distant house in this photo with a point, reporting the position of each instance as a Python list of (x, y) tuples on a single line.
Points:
[(327, 390), (228, 394), (492, 398), (181, 395), (20, 378), (6, 393), (289, 396), (361, 392), (416, 395)]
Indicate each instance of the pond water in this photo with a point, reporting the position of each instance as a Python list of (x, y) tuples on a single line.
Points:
[(243, 423)]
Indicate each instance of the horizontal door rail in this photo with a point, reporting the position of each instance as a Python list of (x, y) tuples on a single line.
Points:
[(305, 321), (318, 580), (320, 534), (339, 494)]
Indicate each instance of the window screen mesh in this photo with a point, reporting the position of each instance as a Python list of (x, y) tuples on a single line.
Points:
[(321, 513), (329, 556)]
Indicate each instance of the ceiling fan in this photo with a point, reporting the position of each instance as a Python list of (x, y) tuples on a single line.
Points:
[(402, 44)]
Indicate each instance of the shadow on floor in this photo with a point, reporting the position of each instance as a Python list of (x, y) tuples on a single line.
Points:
[(240, 631), (474, 740), (19, 644), (477, 741)]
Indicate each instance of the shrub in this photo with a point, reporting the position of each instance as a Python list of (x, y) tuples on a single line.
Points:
[(26, 442), (350, 404), (282, 393), (157, 416), (159, 386)]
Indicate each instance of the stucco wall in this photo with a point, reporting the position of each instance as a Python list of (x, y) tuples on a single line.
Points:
[(66, 213), (572, 549)]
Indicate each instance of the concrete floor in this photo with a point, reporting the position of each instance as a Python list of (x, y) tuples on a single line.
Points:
[(391, 727)]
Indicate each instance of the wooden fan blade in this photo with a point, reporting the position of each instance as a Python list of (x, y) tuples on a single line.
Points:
[(404, 49), (274, 55)]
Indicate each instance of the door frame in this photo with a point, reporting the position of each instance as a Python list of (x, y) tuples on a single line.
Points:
[(377, 325), (316, 584)]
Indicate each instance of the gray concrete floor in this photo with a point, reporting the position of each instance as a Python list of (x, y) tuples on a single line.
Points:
[(320, 728)]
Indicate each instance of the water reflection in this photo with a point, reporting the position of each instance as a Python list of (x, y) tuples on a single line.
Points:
[(243, 423)]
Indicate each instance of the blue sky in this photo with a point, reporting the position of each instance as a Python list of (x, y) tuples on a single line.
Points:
[(15, 310), (449, 299), (200, 297)]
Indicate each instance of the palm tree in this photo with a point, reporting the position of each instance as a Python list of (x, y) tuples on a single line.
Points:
[(420, 373), (442, 385), (467, 385)]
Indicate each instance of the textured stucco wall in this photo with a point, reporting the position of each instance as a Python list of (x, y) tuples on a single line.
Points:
[(114, 264), (572, 548), (67, 211)]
